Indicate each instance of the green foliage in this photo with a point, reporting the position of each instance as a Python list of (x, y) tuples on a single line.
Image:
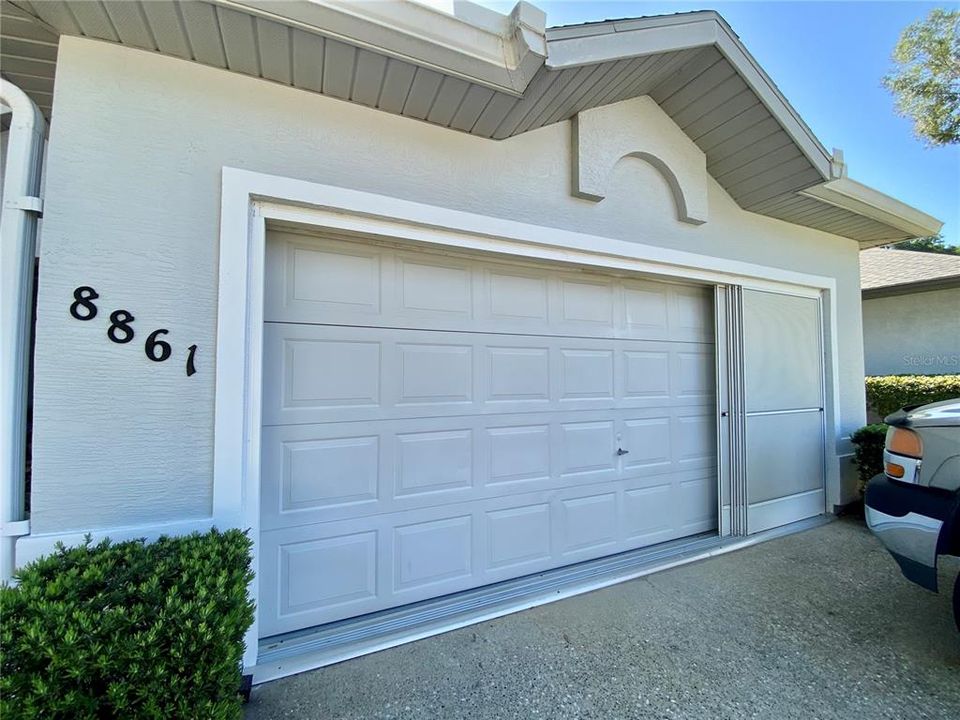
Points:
[(889, 393), (868, 454), (925, 79), (931, 244), (128, 630)]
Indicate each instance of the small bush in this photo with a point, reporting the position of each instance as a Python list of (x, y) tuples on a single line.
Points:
[(889, 393), (868, 454), (128, 630)]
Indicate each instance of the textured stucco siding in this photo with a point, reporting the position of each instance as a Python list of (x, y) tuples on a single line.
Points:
[(915, 334), (132, 208)]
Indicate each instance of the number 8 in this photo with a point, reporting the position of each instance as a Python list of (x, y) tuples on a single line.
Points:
[(120, 331)]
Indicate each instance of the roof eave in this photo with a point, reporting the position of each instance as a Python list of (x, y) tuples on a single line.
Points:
[(904, 220), (940, 283), (502, 52)]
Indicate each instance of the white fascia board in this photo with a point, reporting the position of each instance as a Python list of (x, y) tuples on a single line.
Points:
[(867, 202), (502, 52), (594, 44), (617, 40)]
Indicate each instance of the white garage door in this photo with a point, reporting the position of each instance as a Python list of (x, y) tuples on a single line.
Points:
[(433, 423)]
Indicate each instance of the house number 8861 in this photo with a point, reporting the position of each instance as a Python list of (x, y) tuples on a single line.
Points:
[(121, 329)]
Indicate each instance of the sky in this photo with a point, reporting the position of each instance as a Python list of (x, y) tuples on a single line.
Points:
[(828, 59)]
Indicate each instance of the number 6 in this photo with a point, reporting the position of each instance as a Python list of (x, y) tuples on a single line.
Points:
[(152, 344)]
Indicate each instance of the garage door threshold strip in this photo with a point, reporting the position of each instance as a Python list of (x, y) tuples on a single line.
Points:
[(295, 652)]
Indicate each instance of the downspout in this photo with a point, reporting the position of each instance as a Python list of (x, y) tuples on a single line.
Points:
[(18, 241)]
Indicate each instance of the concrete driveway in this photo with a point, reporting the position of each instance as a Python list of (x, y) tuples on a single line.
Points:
[(814, 625)]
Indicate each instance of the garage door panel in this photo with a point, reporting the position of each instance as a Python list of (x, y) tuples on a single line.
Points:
[(588, 524), (646, 310), (349, 373), (434, 461), (518, 454), (643, 509), (648, 513), (521, 300), (695, 440), (588, 447), (306, 576), (691, 313), (517, 373), (350, 472), (328, 572), (433, 552), (324, 279), (694, 375), (343, 282), (480, 542), (646, 375), (432, 290), (434, 373), (586, 374), (315, 374), (518, 536), (697, 504), (649, 440), (321, 473), (585, 307)]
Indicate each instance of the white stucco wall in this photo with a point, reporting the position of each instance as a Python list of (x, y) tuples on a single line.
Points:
[(132, 208), (915, 334)]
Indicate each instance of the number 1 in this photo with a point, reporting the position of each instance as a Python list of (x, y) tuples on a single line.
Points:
[(191, 369)]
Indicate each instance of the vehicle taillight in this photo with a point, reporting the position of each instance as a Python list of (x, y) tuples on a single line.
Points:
[(904, 442)]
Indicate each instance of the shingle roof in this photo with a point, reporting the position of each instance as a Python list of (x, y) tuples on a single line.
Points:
[(885, 267)]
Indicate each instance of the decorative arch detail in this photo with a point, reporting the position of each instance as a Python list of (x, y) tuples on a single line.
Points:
[(639, 128)]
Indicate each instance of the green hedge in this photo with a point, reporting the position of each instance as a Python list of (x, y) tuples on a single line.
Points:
[(889, 393), (868, 452), (128, 630)]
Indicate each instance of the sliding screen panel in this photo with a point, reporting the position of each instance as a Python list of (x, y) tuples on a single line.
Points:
[(783, 389)]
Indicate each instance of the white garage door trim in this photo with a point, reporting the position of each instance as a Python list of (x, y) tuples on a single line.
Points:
[(250, 200)]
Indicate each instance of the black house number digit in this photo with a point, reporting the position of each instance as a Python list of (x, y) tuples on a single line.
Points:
[(120, 330), (157, 350), (82, 297), (191, 368)]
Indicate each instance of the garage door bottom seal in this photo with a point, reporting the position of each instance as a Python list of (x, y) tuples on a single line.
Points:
[(303, 650)]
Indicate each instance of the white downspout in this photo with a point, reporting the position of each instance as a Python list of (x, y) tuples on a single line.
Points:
[(18, 237)]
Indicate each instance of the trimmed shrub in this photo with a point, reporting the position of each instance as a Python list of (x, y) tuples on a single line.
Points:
[(128, 630), (868, 454), (889, 393)]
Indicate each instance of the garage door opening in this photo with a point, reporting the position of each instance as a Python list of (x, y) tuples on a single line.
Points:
[(435, 424)]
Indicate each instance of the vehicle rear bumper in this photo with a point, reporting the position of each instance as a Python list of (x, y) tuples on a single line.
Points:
[(909, 520)]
